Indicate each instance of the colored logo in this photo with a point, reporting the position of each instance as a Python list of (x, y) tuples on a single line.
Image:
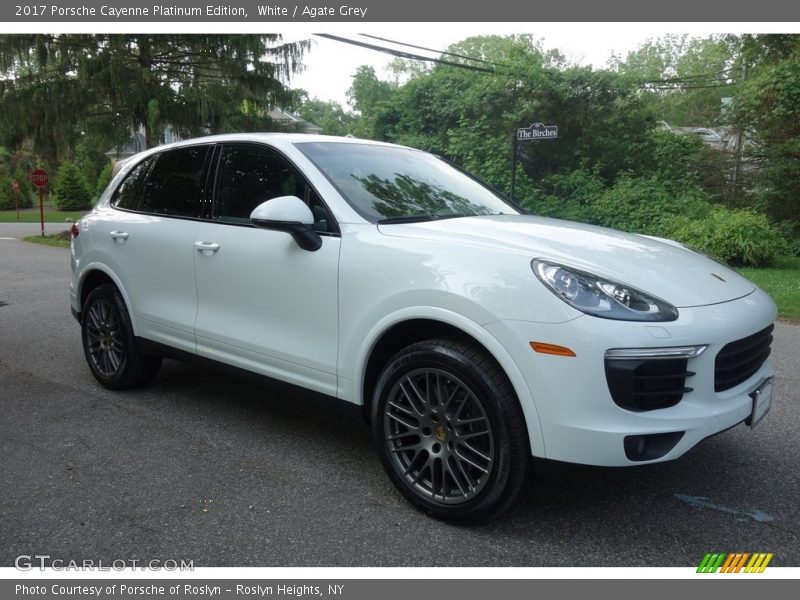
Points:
[(734, 562)]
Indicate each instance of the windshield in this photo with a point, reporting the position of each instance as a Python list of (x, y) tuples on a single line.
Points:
[(386, 184)]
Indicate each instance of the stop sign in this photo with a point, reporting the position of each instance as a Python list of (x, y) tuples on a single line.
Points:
[(39, 178)]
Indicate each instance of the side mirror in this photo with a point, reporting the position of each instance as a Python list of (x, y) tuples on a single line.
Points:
[(289, 214)]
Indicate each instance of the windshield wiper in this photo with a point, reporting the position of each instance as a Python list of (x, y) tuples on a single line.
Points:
[(418, 218)]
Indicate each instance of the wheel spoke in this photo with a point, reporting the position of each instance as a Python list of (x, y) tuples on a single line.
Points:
[(401, 421), (416, 393), (403, 409), (454, 475), (469, 462), (467, 436)]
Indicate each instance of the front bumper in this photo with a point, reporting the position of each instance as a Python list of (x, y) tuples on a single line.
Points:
[(580, 421)]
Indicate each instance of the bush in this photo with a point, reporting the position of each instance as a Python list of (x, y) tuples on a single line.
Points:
[(647, 205), (6, 194), (104, 178), (7, 199), (72, 191), (26, 188), (570, 197), (738, 237)]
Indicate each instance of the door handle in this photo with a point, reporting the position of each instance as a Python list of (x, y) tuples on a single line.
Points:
[(206, 248), (119, 236)]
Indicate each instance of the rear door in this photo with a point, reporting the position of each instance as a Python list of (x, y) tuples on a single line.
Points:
[(151, 242)]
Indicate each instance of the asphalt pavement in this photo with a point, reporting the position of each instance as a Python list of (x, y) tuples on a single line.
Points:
[(200, 466)]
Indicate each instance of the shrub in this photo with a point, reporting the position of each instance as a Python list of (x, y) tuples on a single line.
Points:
[(738, 237), (571, 196), (26, 189), (72, 191), (6, 194), (647, 205), (104, 178), (7, 199)]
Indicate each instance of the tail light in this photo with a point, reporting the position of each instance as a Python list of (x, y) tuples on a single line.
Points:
[(75, 231)]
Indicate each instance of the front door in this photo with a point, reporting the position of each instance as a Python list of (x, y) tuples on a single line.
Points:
[(265, 304)]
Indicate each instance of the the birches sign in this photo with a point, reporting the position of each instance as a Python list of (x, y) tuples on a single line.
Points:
[(537, 131)]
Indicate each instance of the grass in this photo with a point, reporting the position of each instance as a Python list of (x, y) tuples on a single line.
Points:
[(60, 240), (31, 215), (782, 282)]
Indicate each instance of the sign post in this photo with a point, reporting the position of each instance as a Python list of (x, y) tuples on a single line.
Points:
[(15, 187), (39, 178), (535, 133)]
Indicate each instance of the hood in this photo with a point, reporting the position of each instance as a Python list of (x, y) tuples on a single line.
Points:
[(659, 267)]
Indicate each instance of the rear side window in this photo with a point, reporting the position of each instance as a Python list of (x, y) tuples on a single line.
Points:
[(175, 182), (129, 192)]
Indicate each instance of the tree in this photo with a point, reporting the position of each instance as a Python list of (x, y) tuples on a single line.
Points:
[(684, 78), (104, 178), (109, 85), (768, 103), (469, 115), (72, 191), (330, 116), (368, 96)]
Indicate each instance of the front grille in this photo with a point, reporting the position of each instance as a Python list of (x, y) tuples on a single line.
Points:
[(739, 360), (648, 384)]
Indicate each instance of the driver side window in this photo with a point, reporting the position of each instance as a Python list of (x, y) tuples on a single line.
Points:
[(249, 175)]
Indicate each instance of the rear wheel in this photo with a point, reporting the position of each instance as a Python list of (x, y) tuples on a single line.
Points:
[(449, 430), (108, 342)]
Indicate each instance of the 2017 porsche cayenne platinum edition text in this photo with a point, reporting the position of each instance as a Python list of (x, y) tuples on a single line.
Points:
[(470, 336)]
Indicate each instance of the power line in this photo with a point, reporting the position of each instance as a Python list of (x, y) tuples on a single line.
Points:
[(401, 54), (441, 52), (689, 82)]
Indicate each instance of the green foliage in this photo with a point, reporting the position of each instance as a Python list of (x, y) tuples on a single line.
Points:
[(72, 191), (330, 116), (368, 96), (8, 199), (6, 194), (769, 103), (570, 196), (685, 78), (677, 158), (55, 88), (26, 188), (738, 237), (647, 205), (104, 178)]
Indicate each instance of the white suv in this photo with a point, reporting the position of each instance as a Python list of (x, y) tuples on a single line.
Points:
[(469, 335)]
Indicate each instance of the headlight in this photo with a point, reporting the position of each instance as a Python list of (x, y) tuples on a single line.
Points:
[(601, 297)]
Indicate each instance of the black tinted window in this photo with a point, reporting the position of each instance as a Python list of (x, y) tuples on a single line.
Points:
[(175, 182), (129, 192), (250, 175)]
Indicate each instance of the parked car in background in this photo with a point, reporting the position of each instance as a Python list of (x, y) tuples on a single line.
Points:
[(709, 137), (469, 335)]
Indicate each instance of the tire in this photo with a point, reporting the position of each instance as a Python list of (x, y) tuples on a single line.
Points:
[(108, 342), (449, 430)]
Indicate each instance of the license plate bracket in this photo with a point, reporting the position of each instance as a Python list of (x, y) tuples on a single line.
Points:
[(762, 401)]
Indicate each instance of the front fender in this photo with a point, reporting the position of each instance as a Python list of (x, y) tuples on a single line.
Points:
[(350, 387)]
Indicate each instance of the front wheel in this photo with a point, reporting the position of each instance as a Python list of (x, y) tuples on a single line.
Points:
[(449, 430), (108, 342)]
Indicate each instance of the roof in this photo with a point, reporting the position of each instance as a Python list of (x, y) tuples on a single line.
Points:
[(274, 138)]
